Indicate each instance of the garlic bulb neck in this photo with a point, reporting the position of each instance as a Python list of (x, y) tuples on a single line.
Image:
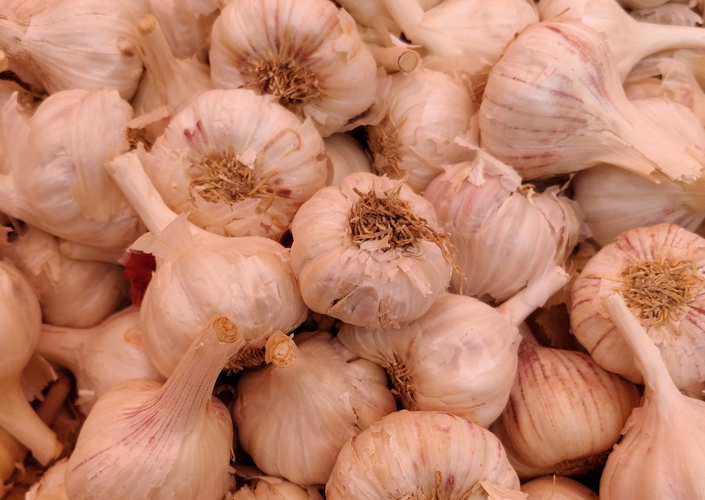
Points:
[(11, 35), (281, 350), (157, 53), (519, 307)]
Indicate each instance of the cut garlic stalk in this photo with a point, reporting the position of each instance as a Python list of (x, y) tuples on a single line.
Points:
[(345, 156), (675, 14), (557, 488), (307, 53), (146, 440), (423, 455), (664, 440), (554, 104), (394, 59), (273, 488), (294, 414), (235, 175), (52, 484), (200, 274), (661, 272)]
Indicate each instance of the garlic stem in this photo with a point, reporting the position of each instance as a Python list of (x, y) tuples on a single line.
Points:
[(62, 345), (79, 251), (408, 14), (160, 62), (11, 34), (54, 400), (658, 37), (519, 307), (4, 63), (394, 58)]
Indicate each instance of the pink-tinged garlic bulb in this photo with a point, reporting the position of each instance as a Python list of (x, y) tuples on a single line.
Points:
[(554, 104), (345, 156), (307, 53), (187, 24), (369, 252), (506, 235), (660, 270), (234, 174), (423, 454), (424, 111), (557, 488)]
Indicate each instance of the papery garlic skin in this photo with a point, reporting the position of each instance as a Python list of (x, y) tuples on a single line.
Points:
[(51, 486), (294, 414), (308, 53), (345, 156), (284, 157), (424, 111), (557, 488), (366, 284), (187, 24), (412, 454), (273, 488), (670, 13), (679, 336)]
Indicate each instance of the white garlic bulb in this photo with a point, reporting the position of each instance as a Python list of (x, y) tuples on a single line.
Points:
[(101, 357), (557, 488), (294, 414), (307, 53), (200, 274), (145, 440), (187, 24), (345, 156), (661, 272), (641, 4), (370, 13), (57, 181), (506, 235), (675, 14), (554, 104), (369, 252), (71, 292), (271, 165), (273, 488), (423, 454), (564, 413), (424, 111), (51, 486), (76, 44), (663, 443)]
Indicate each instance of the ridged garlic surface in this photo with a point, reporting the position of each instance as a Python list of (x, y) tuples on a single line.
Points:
[(506, 234), (554, 104), (307, 53), (369, 252), (661, 271), (423, 454), (345, 156), (272, 163), (424, 111), (557, 488), (51, 486), (294, 414), (273, 488)]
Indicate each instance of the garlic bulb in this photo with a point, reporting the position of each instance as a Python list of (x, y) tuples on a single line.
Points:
[(370, 13), (473, 345), (75, 44), (423, 454), (51, 486), (57, 183), (294, 414), (200, 274), (564, 413), (663, 440), (307, 53), (101, 357), (273, 488), (424, 112), (506, 235), (187, 24), (271, 165), (641, 4), (145, 440), (21, 321), (71, 292), (661, 272), (554, 104), (628, 40), (369, 252), (345, 156), (557, 488), (675, 14)]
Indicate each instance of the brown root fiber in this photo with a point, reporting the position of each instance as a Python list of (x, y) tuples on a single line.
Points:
[(583, 465), (401, 383), (248, 357), (383, 142), (284, 78), (136, 136)]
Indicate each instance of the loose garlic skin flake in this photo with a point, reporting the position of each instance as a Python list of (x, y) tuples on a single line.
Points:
[(307, 53), (661, 272)]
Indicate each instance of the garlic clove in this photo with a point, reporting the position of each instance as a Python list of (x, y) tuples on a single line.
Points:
[(345, 156), (557, 488), (51, 486)]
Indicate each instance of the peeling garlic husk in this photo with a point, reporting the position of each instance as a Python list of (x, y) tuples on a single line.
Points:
[(187, 24), (345, 156), (663, 268), (506, 235), (674, 14), (554, 104), (275, 163), (423, 454), (424, 111), (273, 488), (51, 486), (307, 53), (349, 272), (294, 414), (200, 274), (557, 488), (663, 442), (564, 413)]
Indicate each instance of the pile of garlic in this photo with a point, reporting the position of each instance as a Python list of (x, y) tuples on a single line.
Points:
[(364, 249)]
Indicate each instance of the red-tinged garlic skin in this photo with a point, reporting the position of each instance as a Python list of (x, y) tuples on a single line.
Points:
[(557, 488), (681, 341)]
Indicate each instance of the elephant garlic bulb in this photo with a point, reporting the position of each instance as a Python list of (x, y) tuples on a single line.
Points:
[(664, 440), (147, 440), (554, 104), (660, 270), (235, 175), (294, 414), (307, 53), (423, 454), (345, 156), (369, 252), (557, 488), (564, 413), (506, 234)]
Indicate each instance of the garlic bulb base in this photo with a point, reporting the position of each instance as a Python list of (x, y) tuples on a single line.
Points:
[(580, 466)]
